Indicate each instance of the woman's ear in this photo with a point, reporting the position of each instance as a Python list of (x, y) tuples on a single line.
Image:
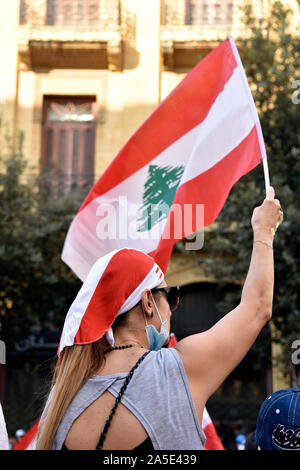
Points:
[(147, 304)]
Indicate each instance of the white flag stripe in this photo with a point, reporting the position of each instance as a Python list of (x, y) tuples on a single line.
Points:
[(80, 264), (206, 419), (3, 432), (32, 444), (250, 97), (228, 122), (254, 111)]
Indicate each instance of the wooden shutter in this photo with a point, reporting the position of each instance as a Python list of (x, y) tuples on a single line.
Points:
[(69, 143)]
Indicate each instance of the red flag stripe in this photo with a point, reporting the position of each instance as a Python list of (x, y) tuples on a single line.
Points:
[(213, 441)]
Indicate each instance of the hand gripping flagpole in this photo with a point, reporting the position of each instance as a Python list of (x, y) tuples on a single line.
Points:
[(254, 111)]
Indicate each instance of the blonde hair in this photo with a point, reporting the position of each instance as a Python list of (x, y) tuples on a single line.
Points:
[(76, 364)]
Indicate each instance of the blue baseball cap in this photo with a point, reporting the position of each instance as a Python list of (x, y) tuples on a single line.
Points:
[(278, 422)]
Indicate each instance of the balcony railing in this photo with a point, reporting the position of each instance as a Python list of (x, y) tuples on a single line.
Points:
[(191, 28), (199, 12), (192, 24), (70, 33), (73, 13)]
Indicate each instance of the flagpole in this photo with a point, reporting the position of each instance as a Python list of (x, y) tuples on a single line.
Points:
[(266, 173), (254, 111), (264, 156)]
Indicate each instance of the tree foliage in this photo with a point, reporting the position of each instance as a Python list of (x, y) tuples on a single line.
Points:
[(36, 287)]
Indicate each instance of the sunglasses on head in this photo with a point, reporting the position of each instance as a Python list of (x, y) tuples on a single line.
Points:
[(172, 293)]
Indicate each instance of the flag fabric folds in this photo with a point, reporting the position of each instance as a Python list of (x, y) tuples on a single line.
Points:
[(188, 154)]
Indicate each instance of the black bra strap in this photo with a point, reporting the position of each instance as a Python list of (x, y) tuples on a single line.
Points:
[(118, 399)]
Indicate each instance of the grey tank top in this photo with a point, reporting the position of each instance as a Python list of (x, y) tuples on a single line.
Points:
[(158, 394)]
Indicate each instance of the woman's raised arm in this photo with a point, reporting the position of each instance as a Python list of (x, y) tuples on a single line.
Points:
[(209, 357)]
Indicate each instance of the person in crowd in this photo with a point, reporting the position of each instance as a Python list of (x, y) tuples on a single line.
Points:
[(12, 442), (278, 423), (19, 434), (4, 445), (240, 442), (251, 441), (115, 387)]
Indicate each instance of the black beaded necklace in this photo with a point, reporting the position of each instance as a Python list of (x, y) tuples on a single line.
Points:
[(113, 348)]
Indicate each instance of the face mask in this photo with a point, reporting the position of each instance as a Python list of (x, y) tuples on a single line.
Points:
[(155, 339)]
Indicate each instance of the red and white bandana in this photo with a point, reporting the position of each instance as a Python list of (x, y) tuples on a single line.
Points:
[(113, 286)]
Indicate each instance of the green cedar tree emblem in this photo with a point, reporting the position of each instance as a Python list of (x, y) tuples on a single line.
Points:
[(159, 192)]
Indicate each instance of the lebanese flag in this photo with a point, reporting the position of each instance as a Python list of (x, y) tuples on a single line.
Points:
[(191, 150), (213, 442)]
